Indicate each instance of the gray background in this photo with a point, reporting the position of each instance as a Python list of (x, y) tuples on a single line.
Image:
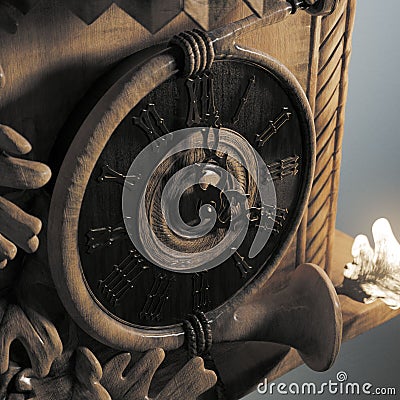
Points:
[(370, 183)]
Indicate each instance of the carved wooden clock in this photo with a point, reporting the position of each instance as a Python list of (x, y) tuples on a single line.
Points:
[(128, 294), (179, 184)]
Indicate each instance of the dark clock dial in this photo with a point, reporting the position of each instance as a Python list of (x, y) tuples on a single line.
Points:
[(237, 95)]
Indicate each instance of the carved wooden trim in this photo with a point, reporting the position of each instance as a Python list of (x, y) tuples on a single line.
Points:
[(153, 15), (78, 375), (327, 89)]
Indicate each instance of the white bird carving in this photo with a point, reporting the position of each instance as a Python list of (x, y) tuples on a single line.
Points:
[(377, 270)]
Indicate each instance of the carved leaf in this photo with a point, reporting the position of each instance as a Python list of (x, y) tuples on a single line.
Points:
[(38, 336), (88, 372), (73, 376), (17, 228), (78, 376), (7, 378), (134, 383)]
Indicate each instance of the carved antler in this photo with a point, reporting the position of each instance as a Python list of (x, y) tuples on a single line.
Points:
[(19, 228)]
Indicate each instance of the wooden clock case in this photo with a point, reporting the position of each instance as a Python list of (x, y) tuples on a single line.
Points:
[(60, 49)]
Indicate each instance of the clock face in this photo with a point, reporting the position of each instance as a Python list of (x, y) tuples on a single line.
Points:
[(259, 113)]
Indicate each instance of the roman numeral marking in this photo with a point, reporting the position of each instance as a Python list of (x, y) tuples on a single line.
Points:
[(243, 100), (273, 127), (278, 219), (122, 278), (99, 238), (201, 296), (283, 168), (201, 101), (150, 121), (157, 297), (241, 264), (110, 175)]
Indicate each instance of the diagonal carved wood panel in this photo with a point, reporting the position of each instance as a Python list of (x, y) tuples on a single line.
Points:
[(89, 11), (152, 14), (208, 13), (334, 48)]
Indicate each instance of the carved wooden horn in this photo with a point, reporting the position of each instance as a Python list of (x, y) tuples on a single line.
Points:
[(305, 314)]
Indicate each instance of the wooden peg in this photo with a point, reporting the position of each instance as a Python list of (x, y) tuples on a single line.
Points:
[(12, 142), (2, 78), (23, 174), (19, 227), (7, 251)]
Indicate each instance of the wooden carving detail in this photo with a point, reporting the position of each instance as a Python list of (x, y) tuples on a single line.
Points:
[(78, 375), (374, 273), (315, 7), (17, 228), (75, 375), (153, 15), (134, 383), (330, 88), (10, 10), (37, 334), (208, 13), (2, 78)]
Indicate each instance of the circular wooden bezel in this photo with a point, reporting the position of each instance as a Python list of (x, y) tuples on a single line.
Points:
[(76, 170)]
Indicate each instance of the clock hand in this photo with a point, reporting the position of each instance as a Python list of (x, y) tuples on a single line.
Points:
[(243, 100)]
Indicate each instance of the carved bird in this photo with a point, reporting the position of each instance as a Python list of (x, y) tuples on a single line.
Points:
[(377, 271)]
